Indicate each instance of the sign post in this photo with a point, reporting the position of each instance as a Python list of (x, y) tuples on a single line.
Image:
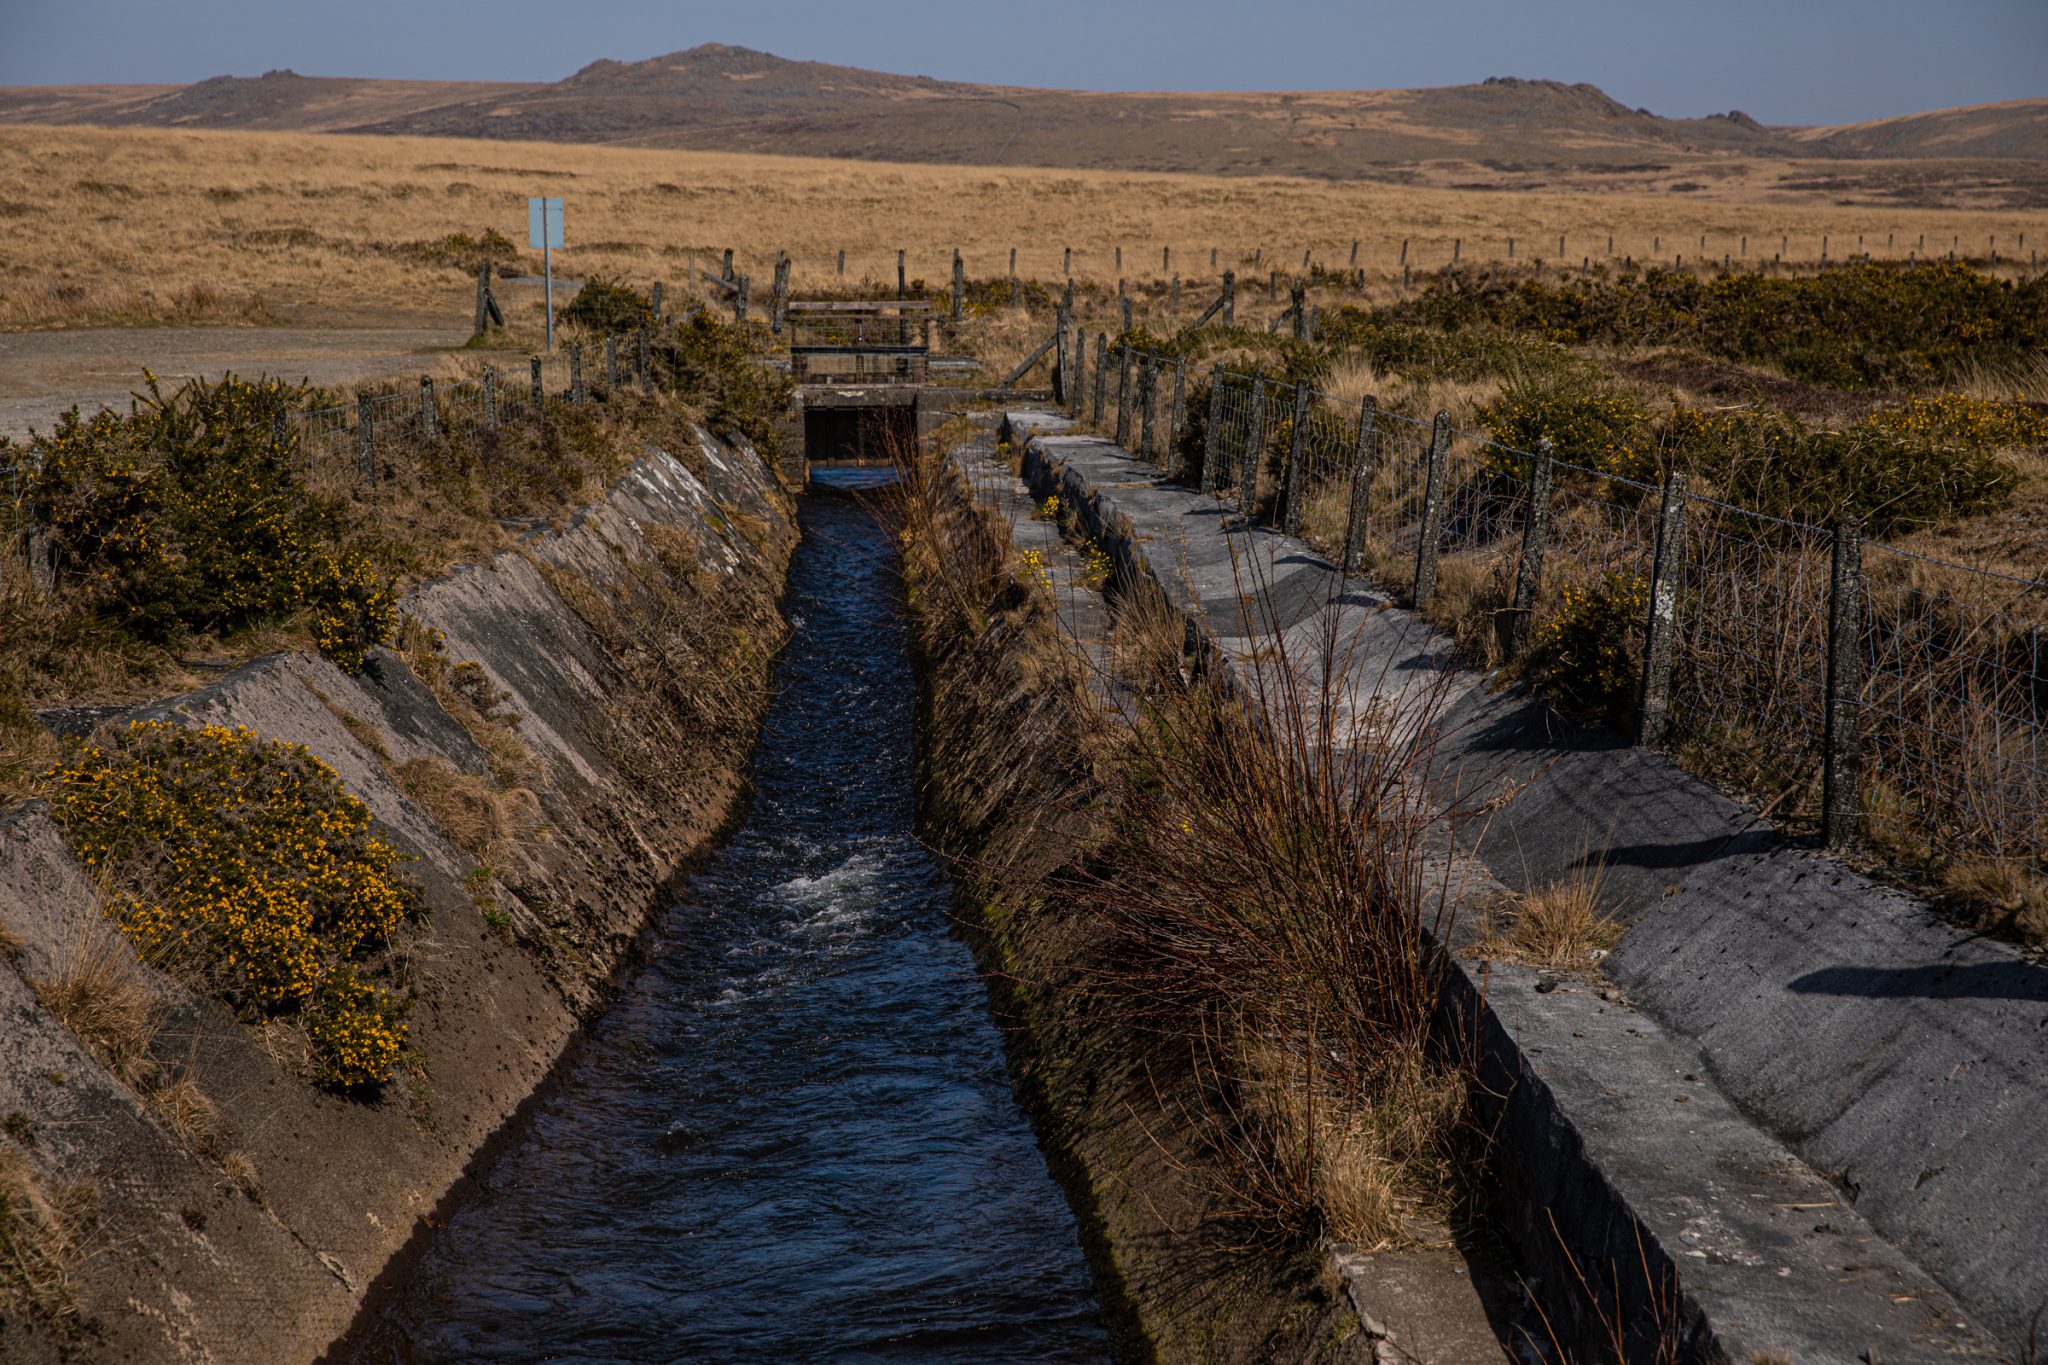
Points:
[(544, 230)]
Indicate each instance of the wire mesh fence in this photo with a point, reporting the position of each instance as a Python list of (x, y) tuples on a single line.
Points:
[(1937, 673)]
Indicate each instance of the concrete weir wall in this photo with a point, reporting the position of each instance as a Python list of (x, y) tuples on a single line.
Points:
[(182, 1265), (1812, 1109)]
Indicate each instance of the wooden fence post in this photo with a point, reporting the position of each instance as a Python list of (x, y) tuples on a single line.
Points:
[(1148, 394), (1166, 258), (1841, 814), (1173, 298), (1067, 261), (576, 372), (430, 415), (1212, 437), (1298, 306), (1660, 631), (1297, 452), (655, 301), (1127, 312), (646, 369), (1176, 418), (1101, 374), (490, 399), (901, 275), (1013, 276), (366, 440), (1432, 509), (780, 319), (1364, 469), (1123, 395), (739, 298), (1535, 543), (1062, 377), (959, 284), (277, 432), (725, 271), (1229, 298)]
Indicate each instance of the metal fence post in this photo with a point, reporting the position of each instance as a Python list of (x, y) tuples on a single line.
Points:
[(644, 361), (1212, 438), (1101, 374), (576, 373), (1535, 541), (366, 439), (430, 416), (1432, 509), (1123, 396), (1148, 400), (1254, 447), (1364, 468), (1660, 631), (537, 394), (1841, 814), (1297, 450), (490, 399), (611, 365)]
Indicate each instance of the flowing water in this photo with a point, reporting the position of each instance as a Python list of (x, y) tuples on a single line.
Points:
[(792, 1137)]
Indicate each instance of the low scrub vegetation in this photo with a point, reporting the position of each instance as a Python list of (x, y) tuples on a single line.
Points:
[(1859, 326), (244, 865)]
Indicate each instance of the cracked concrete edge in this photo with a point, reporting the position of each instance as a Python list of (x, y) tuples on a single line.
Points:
[(1547, 1087)]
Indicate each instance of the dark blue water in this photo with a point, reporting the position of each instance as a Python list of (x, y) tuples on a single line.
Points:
[(793, 1138)]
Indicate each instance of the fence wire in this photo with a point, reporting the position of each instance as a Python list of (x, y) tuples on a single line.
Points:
[(1953, 715)]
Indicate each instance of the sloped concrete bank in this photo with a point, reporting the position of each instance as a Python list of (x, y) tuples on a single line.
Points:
[(1798, 1107), (603, 682)]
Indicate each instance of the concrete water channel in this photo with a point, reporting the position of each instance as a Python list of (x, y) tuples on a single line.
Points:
[(793, 1137)]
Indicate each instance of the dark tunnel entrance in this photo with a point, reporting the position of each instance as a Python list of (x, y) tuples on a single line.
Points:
[(866, 434)]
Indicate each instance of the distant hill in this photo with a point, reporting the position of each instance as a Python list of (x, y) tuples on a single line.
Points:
[(716, 97)]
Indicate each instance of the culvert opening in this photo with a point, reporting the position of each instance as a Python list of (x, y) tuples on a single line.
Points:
[(858, 435)]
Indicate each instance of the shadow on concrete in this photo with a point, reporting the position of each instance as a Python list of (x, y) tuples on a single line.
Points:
[(1935, 981), (1685, 853)]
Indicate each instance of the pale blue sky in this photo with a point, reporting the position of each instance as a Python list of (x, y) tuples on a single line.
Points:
[(1782, 61)]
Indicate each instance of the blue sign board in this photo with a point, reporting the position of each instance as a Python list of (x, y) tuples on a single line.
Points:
[(544, 223)]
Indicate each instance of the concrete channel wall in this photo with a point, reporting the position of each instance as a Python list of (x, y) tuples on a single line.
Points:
[(184, 1266), (1800, 1098)]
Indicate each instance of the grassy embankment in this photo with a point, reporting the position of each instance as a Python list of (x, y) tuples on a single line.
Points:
[(1219, 956)]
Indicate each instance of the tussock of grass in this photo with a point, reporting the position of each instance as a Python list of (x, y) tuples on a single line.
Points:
[(44, 1229), (1556, 925), (1256, 896), (100, 995)]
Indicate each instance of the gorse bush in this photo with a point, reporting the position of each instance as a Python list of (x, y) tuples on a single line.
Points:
[(1587, 424), (1857, 327), (1587, 657), (1889, 478), (191, 516), (606, 305), (1901, 469), (245, 864), (716, 367)]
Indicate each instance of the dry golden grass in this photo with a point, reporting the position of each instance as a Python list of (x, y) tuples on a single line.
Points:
[(43, 1229), (1557, 925), (124, 225), (191, 1115), (99, 994)]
